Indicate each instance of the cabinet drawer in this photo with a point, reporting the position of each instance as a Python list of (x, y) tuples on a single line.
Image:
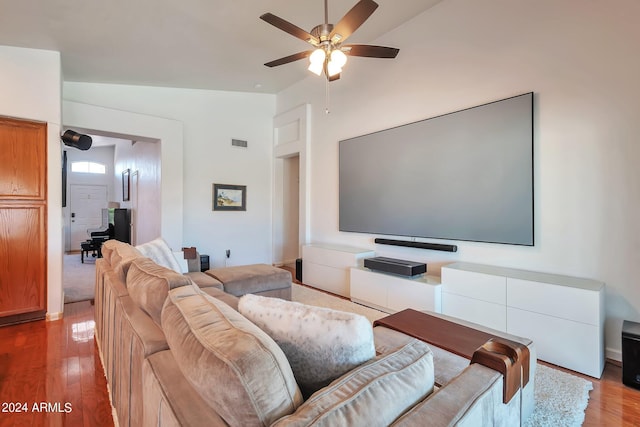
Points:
[(565, 302), (484, 287), (413, 294), (566, 343), (332, 257), (476, 311), (368, 287), (330, 279)]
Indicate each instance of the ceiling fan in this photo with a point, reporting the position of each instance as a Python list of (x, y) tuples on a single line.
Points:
[(330, 53)]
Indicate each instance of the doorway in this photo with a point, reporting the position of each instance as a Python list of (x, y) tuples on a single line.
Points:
[(291, 210), (291, 202), (85, 203)]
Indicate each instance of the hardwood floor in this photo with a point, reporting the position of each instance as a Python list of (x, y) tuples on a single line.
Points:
[(611, 403), (57, 363), (50, 373)]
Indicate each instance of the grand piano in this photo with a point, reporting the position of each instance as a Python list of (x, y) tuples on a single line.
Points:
[(116, 224)]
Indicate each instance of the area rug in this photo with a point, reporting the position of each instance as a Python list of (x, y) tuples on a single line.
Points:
[(561, 398), (78, 279)]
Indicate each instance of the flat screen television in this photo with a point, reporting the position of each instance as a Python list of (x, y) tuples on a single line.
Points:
[(466, 175)]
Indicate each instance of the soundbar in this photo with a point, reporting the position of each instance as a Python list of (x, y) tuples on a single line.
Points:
[(396, 266), (419, 245)]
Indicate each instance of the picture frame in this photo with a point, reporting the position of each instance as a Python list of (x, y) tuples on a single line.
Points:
[(228, 197), (126, 185)]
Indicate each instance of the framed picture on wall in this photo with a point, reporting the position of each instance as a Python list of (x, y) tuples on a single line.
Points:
[(229, 197), (126, 185)]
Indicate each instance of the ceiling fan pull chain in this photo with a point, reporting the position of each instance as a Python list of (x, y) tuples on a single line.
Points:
[(326, 96)]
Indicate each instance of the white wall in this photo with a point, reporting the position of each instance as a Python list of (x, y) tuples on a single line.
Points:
[(580, 59), (144, 161), (210, 120), (30, 82)]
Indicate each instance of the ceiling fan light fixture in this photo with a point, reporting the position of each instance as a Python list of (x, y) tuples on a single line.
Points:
[(316, 68), (318, 56), (338, 58), (316, 61), (329, 53), (333, 68)]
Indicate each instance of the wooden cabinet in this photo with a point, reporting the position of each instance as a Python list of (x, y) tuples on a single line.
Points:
[(23, 220), (563, 315)]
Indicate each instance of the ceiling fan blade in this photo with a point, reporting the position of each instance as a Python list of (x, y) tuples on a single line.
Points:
[(334, 77), (352, 20), (290, 58), (288, 27), (370, 51)]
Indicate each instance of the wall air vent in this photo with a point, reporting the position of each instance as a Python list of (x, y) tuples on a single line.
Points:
[(239, 143)]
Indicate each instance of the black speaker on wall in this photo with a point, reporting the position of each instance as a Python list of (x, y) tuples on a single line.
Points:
[(299, 270), (76, 140), (419, 245)]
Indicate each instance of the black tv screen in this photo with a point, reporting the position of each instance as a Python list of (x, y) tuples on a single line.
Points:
[(466, 175)]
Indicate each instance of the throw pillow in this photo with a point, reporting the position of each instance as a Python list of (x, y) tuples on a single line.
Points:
[(182, 261), (321, 344), (160, 252)]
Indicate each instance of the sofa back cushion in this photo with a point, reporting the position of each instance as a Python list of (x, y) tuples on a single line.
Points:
[(149, 284), (238, 369), (119, 255), (373, 394)]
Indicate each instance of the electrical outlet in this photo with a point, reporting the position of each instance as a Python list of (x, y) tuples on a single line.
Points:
[(228, 252)]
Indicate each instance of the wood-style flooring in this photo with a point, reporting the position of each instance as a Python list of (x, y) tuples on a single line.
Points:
[(50, 373), (56, 365)]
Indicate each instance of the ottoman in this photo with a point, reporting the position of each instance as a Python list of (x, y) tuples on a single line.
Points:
[(258, 279)]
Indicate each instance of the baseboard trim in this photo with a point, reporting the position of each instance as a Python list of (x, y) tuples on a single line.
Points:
[(613, 354), (54, 316)]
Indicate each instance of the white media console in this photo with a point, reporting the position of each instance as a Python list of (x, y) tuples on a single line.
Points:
[(326, 266), (391, 293), (564, 316)]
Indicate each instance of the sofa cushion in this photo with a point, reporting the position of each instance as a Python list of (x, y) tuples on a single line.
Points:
[(251, 279), (321, 344), (230, 300), (119, 255), (374, 394), (238, 369), (160, 252), (149, 284), (204, 280)]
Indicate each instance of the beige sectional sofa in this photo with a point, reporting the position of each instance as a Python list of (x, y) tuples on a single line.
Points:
[(179, 354)]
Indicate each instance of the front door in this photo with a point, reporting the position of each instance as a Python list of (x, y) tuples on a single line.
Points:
[(86, 204)]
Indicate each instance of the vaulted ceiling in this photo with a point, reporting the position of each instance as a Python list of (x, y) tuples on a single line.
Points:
[(207, 44)]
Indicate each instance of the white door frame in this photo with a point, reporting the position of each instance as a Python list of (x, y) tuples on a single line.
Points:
[(291, 137), (134, 207)]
